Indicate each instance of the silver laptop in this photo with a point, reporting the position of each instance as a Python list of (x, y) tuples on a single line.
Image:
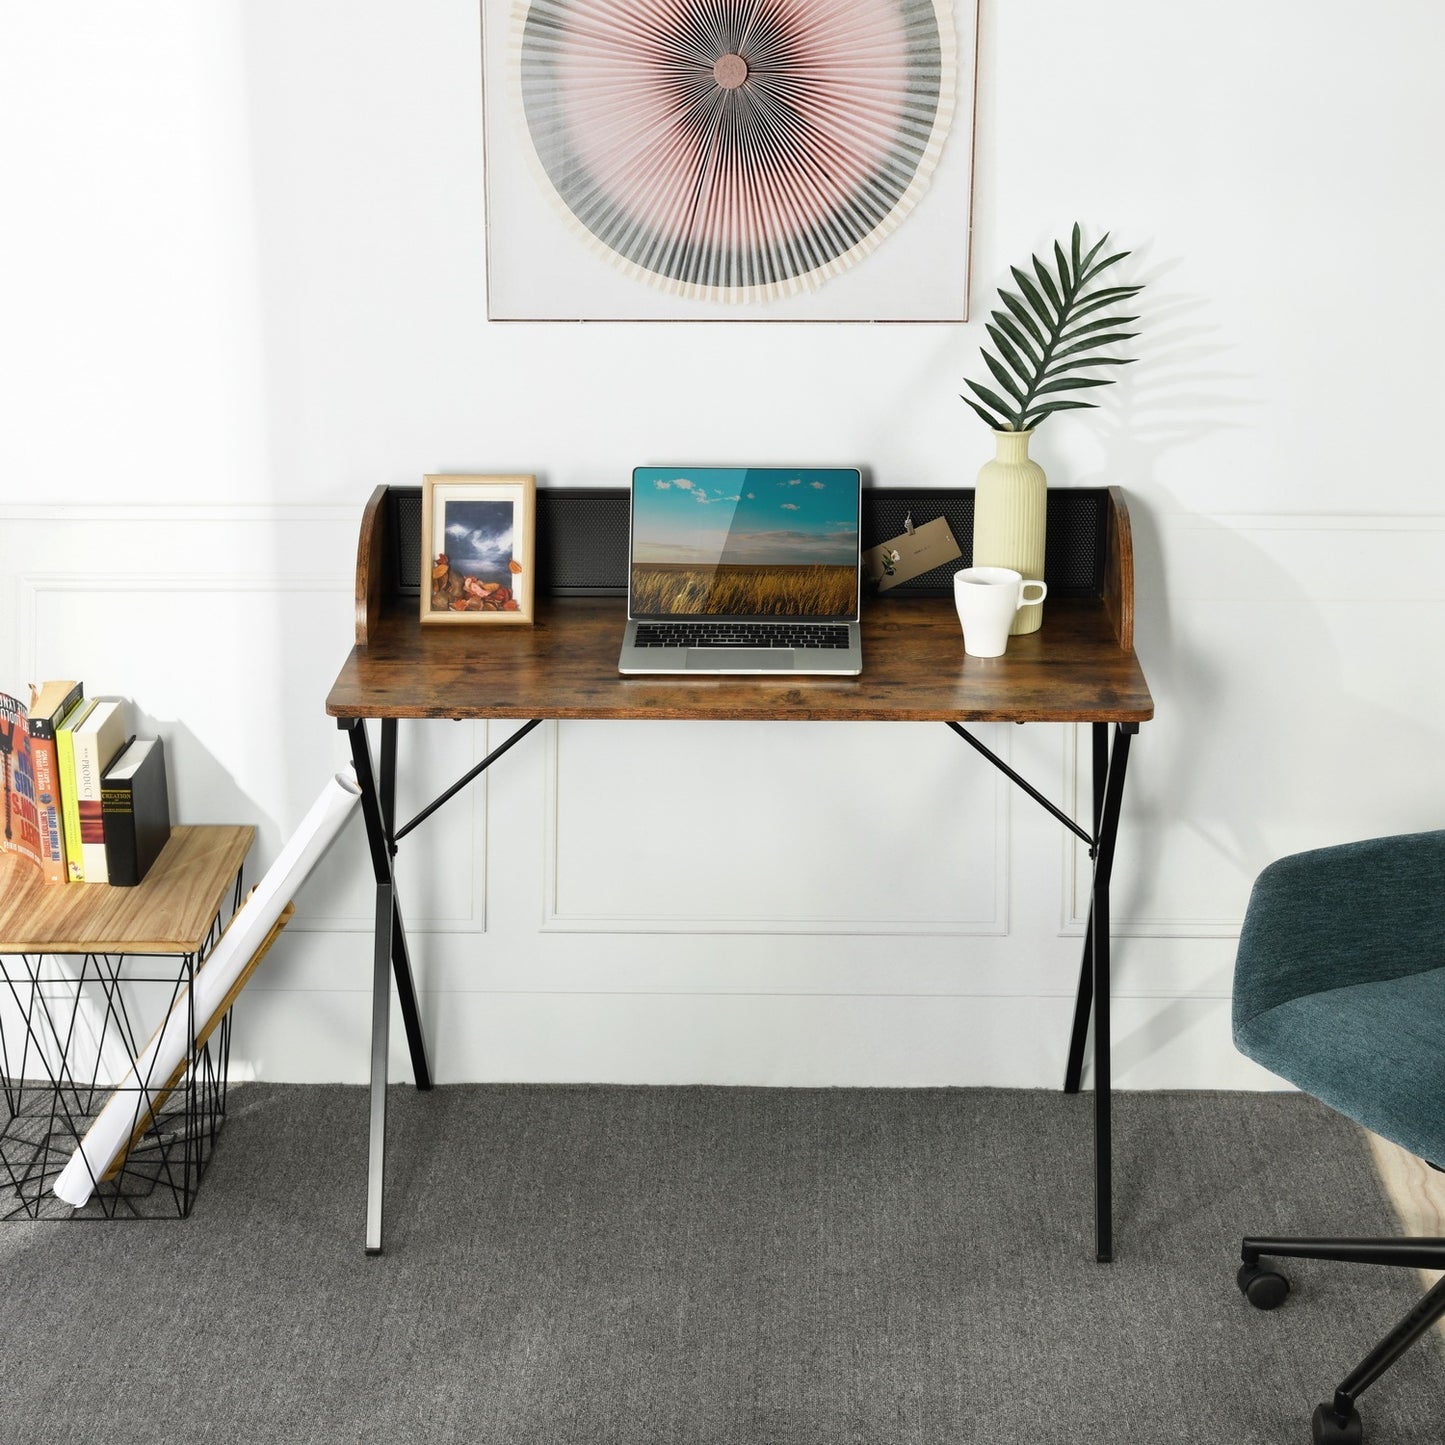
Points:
[(744, 570)]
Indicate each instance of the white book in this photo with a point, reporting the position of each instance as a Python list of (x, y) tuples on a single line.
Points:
[(97, 741)]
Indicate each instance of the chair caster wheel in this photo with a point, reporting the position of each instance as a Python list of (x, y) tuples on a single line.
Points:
[(1265, 1289), (1332, 1429)]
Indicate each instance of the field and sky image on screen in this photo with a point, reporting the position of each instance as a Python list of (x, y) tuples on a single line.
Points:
[(744, 542)]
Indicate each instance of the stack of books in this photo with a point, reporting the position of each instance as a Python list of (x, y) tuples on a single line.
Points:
[(85, 798)]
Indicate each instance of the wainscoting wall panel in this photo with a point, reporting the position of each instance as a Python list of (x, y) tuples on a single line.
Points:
[(739, 903), (757, 828)]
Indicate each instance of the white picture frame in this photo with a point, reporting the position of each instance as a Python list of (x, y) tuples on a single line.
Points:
[(543, 263)]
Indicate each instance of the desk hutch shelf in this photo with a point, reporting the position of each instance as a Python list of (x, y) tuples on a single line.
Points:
[(1080, 666)]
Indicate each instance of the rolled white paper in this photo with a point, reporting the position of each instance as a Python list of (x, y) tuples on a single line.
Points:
[(144, 1084)]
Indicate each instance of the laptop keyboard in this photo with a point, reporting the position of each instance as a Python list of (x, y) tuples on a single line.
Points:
[(742, 634)]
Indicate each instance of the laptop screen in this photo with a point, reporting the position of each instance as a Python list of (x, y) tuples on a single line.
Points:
[(745, 542)]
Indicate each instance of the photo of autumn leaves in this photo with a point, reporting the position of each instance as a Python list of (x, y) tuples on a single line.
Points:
[(478, 536)]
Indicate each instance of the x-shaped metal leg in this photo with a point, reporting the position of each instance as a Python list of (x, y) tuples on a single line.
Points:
[(390, 958), (1109, 766), (1108, 769)]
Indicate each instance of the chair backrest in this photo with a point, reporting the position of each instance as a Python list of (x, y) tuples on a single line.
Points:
[(1333, 917)]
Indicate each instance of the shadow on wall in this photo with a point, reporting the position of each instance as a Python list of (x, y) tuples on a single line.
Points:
[(333, 897), (1290, 708), (1291, 712), (201, 789), (1255, 639)]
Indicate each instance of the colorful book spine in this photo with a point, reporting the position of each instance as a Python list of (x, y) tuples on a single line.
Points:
[(48, 710), (17, 779), (47, 801), (69, 803)]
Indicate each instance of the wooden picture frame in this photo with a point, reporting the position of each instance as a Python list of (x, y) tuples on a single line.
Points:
[(478, 549)]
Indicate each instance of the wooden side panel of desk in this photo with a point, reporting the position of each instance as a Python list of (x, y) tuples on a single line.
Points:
[(1119, 570), (370, 555)]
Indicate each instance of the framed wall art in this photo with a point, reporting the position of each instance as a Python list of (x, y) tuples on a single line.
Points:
[(728, 159), (478, 549)]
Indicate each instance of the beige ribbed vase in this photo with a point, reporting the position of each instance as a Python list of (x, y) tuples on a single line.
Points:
[(1008, 518)]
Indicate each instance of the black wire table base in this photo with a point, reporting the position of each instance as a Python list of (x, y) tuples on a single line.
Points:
[(72, 1028)]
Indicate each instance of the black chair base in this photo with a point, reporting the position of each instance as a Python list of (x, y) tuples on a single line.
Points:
[(1338, 1423)]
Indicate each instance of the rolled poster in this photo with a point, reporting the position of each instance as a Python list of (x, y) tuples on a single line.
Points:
[(146, 1083)]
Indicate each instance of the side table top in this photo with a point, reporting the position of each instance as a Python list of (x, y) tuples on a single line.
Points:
[(170, 911)]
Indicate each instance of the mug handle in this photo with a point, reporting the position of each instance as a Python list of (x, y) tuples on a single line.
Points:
[(1024, 587)]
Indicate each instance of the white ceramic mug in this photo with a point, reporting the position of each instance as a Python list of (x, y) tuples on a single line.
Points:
[(987, 598)]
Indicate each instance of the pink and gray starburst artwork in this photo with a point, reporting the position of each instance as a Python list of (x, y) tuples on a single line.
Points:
[(736, 150)]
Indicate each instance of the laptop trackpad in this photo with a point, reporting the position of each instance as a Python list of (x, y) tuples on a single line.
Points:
[(739, 659)]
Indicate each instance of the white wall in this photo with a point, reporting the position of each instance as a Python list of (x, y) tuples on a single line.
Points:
[(243, 283)]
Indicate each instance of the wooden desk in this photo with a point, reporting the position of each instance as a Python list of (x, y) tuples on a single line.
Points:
[(1079, 667)]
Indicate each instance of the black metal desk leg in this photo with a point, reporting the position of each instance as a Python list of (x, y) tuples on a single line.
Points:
[(381, 971), (400, 956), (1084, 1002), (1099, 930), (380, 1042)]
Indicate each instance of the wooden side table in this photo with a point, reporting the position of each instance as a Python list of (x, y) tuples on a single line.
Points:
[(87, 972)]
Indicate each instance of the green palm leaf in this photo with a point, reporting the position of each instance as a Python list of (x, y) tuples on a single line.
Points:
[(996, 402), (1074, 383), (990, 421), (1040, 412), (1040, 332), (1015, 334), (1102, 324), (1001, 375), (1106, 339), (1093, 251), (1066, 280), (1099, 299), (1022, 313), (1102, 266), (1009, 354), (1032, 297), (1047, 282), (1073, 363)]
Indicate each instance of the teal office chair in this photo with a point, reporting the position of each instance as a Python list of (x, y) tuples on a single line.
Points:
[(1339, 986)]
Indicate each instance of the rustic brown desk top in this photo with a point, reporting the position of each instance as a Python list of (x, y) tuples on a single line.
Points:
[(170, 911), (914, 670)]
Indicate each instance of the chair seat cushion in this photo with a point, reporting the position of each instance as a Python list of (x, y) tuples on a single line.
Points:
[(1374, 1051)]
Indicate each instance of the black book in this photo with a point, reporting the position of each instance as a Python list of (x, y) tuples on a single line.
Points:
[(135, 810)]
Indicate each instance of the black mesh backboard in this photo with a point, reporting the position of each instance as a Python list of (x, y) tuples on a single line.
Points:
[(403, 539), (1073, 541), (582, 537), (582, 541)]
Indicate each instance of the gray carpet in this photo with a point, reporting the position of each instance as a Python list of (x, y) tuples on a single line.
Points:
[(718, 1267)]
